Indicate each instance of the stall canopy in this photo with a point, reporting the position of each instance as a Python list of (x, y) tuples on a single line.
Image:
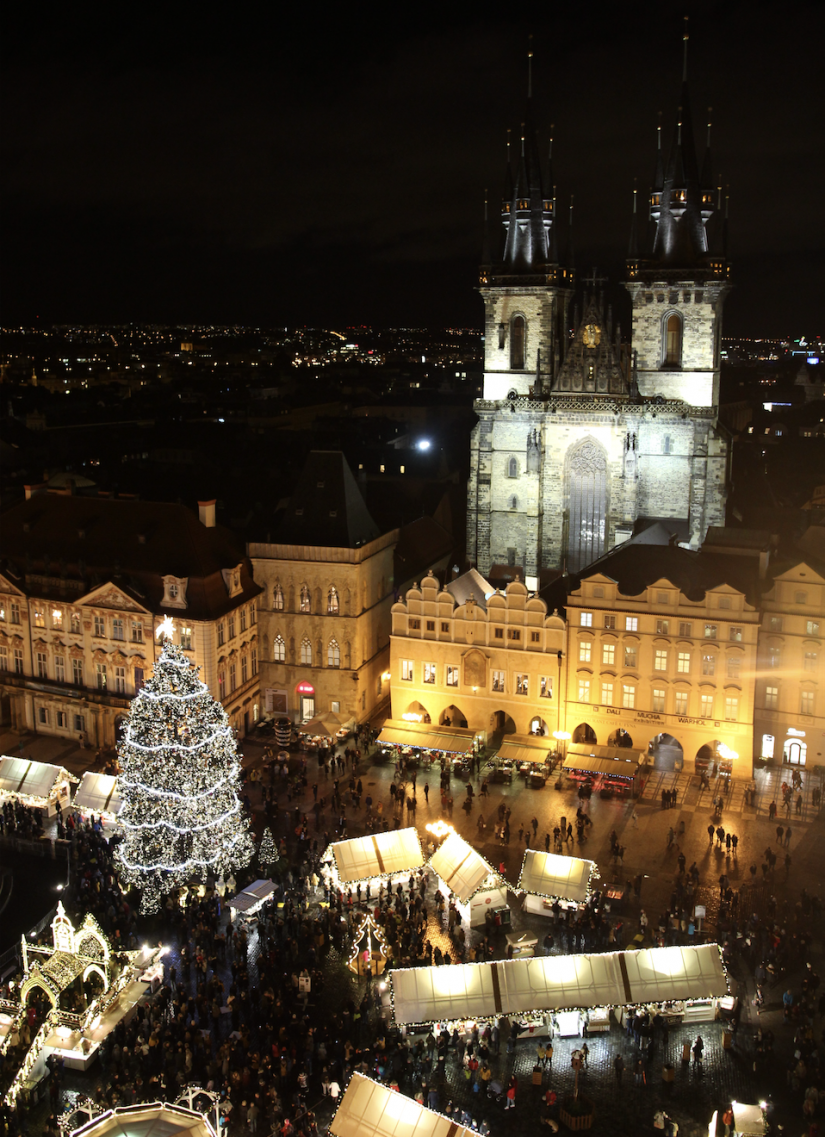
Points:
[(98, 793), (525, 748), (22, 778), (461, 868), (555, 983), (426, 736), (379, 855), (548, 874), (251, 896), (368, 1109), (620, 761)]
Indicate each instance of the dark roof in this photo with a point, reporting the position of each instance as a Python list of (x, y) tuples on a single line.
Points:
[(421, 545), (326, 508), (722, 537), (636, 567)]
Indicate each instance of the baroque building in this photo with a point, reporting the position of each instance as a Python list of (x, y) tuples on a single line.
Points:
[(581, 439)]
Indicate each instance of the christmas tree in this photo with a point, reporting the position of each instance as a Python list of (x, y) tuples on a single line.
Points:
[(267, 853), (181, 815)]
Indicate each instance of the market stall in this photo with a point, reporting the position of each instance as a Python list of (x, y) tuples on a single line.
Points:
[(36, 784), (616, 769), (557, 984), (466, 875), (426, 737), (549, 877), (530, 755), (369, 1109), (251, 899), (377, 856), (98, 794), (748, 1121)]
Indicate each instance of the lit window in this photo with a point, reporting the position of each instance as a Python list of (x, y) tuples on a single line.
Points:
[(806, 702), (731, 708), (102, 678), (186, 638), (100, 626), (546, 687), (812, 628), (771, 698), (659, 700), (57, 618), (305, 602), (734, 666), (137, 631), (706, 706), (810, 660), (662, 627), (610, 622), (429, 673), (681, 703), (42, 663), (118, 629), (498, 680), (660, 660), (120, 680), (767, 745), (332, 602), (683, 662), (607, 694), (774, 657), (775, 623), (708, 663), (710, 631), (278, 598), (279, 649), (631, 623), (736, 635), (628, 696), (609, 654), (452, 676), (40, 618), (2, 613), (522, 684), (685, 630), (585, 648), (587, 619), (306, 652), (630, 657), (407, 670), (584, 690), (15, 614)]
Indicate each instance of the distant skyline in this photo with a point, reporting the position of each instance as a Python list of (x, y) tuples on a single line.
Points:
[(257, 167)]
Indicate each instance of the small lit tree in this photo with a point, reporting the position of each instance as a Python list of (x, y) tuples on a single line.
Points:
[(267, 853), (180, 784)]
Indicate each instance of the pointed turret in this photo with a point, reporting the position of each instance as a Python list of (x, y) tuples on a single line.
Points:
[(658, 176), (633, 244)]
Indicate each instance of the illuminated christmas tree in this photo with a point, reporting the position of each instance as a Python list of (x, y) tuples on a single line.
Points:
[(267, 853), (181, 816)]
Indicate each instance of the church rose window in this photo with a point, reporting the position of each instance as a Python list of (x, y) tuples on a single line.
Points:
[(587, 505), (517, 344)]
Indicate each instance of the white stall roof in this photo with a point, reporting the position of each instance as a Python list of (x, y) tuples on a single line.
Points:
[(252, 895), (98, 793), (548, 874), (379, 855), (749, 1120), (368, 1109), (427, 736), (460, 867), (550, 983), (525, 748), (34, 779)]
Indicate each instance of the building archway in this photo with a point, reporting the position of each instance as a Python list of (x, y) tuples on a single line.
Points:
[(416, 712), (711, 758), (501, 723), (666, 752), (794, 752), (584, 732), (621, 738), (538, 726), (452, 716)]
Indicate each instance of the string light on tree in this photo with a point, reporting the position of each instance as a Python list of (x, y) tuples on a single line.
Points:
[(181, 813), (267, 853)]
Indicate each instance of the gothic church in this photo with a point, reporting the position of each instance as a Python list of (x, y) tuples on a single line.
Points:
[(581, 438)]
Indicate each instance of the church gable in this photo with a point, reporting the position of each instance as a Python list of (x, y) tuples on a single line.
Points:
[(592, 364)]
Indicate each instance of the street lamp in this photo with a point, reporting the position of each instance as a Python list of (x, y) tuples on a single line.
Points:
[(562, 737)]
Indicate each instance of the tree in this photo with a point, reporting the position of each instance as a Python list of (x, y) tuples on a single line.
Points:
[(267, 853), (180, 782)]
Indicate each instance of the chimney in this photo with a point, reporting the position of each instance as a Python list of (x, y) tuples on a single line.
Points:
[(206, 513)]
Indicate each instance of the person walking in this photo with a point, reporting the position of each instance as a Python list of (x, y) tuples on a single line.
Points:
[(639, 1072), (787, 837), (779, 832), (618, 1068), (634, 818), (511, 1095), (427, 792), (711, 832), (698, 1050)]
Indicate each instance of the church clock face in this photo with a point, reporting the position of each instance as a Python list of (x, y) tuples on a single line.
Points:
[(591, 336)]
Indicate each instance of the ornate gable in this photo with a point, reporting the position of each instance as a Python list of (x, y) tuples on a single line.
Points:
[(110, 596), (7, 586)]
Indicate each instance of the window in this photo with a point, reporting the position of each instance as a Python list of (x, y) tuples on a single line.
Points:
[(332, 601), (40, 618), (517, 330), (118, 629), (706, 706), (414, 625), (708, 663), (221, 684), (498, 680), (57, 618), (429, 673), (609, 654), (628, 696), (80, 723), (685, 630), (445, 627), (584, 690), (630, 657), (512, 468), (305, 602), (278, 598), (585, 648), (220, 634), (120, 680), (18, 661), (673, 340), (681, 703), (186, 638), (42, 664), (431, 625), (812, 628), (253, 615), (172, 590), (43, 716), (452, 676), (659, 700), (660, 660), (77, 672), (546, 687), (407, 670), (774, 657), (137, 632), (306, 652), (771, 698), (15, 614), (800, 597), (498, 633), (607, 694), (242, 618), (806, 702), (2, 612), (767, 745), (734, 667), (230, 627), (102, 678), (253, 659), (775, 623), (4, 658), (683, 662), (535, 637), (522, 684), (736, 635), (233, 677), (62, 720), (514, 633), (631, 623), (662, 627), (586, 619), (809, 661), (710, 631), (60, 669), (610, 622), (731, 708), (244, 668)]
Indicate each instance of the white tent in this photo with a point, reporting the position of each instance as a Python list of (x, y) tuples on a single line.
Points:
[(548, 874), (461, 868), (252, 897), (382, 854), (98, 793), (37, 784), (368, 1109), (553, 983)]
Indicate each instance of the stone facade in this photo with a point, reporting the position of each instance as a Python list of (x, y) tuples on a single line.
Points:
[(544, 310)]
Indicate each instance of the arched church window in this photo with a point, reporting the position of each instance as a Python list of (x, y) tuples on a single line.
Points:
[(333, 654), (512, 468), (332, 601), (673, 339), (306, 652), (279, 649), (306, 605), (517, 344), (587, 504), (278, 598)]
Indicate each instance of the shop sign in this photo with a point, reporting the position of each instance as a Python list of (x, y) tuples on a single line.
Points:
[(304, 688)]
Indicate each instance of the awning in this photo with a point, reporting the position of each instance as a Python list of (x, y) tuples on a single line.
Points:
[(382, 854), (426, 736), (368, 1109), (461, 868), (252, 896), (620, 761), (554, 983), (525, 748), (548, 874), (21, 777), (98, 793)]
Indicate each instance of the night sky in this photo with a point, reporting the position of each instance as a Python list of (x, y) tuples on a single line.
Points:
[(243, 164)]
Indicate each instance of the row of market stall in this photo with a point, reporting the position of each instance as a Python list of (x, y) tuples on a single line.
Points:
[(40, 785)]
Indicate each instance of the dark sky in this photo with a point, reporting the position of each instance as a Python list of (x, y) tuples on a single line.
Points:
[(240, 164)]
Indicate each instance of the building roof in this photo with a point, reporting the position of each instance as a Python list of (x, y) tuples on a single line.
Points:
[(637, 567), (471, 584), (326, 508)]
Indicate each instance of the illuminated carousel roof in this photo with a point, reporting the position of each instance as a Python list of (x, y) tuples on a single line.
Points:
[(157, 1119)]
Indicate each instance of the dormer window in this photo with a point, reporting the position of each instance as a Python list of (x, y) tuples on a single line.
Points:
[(232, 580), (174, 591)]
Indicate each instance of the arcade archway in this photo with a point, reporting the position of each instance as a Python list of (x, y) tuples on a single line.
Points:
[(667, 753), (539, 726), (416, 712), (501, 723), (621, 738), (452, 716), (584, 732)]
